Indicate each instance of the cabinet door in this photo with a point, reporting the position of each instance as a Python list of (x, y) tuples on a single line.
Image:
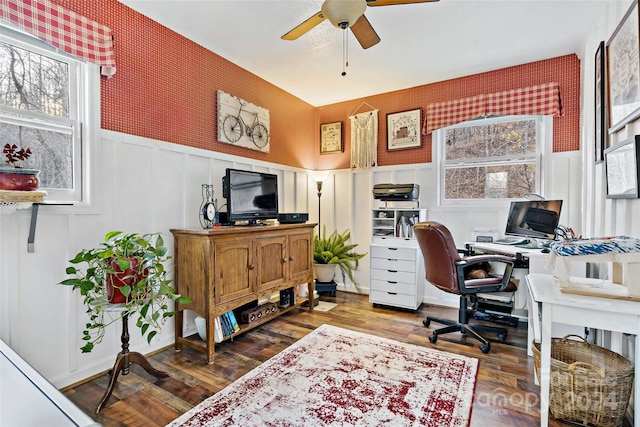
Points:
[(270, 255), (299, 258), (234, 270)]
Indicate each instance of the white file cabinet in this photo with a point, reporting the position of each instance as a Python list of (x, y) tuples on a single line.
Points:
[(397, 276)]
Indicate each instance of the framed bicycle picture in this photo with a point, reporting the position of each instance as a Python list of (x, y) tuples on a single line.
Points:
[(403, 129), (331, 138)]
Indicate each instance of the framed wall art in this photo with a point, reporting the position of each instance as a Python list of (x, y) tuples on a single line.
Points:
[(331, 138), (621, 161), (623, 70), (242, 123), (403, 129), (600, 102)]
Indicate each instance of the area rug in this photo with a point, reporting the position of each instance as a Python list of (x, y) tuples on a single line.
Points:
[(323, 306), (338, 377)]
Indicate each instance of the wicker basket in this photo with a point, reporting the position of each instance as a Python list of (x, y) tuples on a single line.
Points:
[(589, 384)]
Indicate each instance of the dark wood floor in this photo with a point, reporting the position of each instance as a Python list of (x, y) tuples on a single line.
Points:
[(505, 393)]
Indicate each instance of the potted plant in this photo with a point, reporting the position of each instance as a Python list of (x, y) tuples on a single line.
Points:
[(332, 251), (129, 270), (12, 175)]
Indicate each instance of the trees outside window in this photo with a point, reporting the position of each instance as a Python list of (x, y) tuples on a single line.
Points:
[(494, 158), (41, 108)]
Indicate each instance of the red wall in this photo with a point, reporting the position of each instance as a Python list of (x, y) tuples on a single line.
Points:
[(566, 130), (165, 88)]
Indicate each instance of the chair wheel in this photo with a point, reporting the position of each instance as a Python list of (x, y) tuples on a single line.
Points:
[(485, 348), (426, 322), (502, 337), (433, 339)]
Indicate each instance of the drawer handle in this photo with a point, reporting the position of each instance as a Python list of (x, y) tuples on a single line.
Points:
[(392, 259), (393, 249), (393, 283), (392, 271), (392, 293)]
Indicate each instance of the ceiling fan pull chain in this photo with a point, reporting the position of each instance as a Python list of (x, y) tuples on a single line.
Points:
[(345, 51)]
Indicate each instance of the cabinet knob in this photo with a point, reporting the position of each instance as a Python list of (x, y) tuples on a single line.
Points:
[(285, 259), (290, 257), (251, 266)]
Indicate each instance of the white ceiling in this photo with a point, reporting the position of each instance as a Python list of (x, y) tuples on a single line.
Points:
[(421, 43)]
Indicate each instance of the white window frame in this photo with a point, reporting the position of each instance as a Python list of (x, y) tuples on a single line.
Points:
[(544, 147), (84, 115)]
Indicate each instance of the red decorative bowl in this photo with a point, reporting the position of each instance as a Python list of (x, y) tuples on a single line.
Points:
[(18, 179)]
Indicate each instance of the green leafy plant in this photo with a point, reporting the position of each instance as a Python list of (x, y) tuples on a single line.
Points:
[(135, 265), (336, 249)]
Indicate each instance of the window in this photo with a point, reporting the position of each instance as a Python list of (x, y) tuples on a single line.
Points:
[(43, 107), (488, 159)]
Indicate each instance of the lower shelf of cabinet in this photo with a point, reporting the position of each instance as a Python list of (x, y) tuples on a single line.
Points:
[(196, 343)]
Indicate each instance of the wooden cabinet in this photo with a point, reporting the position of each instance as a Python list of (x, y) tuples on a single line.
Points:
[(222, 269)]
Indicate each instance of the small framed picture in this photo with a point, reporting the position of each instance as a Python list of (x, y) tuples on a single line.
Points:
[(622, 163), (403, 129), (331, 138)]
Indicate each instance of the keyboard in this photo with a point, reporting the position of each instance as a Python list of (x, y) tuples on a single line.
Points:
[(512, 241)]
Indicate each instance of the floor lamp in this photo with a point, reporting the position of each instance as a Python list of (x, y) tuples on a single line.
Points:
[(319, 186)]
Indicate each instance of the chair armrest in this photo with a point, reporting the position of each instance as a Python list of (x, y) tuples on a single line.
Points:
[(478, 259)]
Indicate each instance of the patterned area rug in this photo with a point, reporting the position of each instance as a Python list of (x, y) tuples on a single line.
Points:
[(338, 377)]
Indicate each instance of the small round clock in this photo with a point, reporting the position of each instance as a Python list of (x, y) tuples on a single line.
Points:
[(208, 207)]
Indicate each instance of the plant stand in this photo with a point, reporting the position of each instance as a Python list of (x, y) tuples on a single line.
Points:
[(326, 287), (123, 361)]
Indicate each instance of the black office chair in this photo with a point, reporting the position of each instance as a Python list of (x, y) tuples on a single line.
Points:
[(445, 269)]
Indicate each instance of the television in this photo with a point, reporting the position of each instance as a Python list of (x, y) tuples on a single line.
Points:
[(536, 219), (251, 196)]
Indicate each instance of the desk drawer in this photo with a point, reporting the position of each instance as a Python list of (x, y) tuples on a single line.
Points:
[(408, 254), (393, 287), (393, 275), (396, 300), (393, 264)]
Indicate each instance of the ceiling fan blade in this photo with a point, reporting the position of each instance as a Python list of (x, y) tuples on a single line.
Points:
[(364, 32), (394, 2), (304, 27)]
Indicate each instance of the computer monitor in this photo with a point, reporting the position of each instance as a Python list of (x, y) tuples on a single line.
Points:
[(536, 219)]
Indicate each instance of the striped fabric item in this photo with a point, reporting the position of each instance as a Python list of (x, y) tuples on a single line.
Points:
[(597, 246), (64, 29), (542, 99)]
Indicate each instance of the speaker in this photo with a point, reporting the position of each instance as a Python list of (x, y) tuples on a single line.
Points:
[(256, 314)]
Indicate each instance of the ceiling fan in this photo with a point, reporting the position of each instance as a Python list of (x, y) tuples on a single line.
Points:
[(348, 14)]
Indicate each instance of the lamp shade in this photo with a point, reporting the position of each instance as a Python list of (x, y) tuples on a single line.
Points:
[(343, 13)]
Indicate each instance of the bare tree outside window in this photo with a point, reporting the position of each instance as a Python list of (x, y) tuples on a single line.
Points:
[(35, 111), (489, 159)]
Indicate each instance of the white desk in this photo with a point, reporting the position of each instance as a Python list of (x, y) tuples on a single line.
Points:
[(595, 312)]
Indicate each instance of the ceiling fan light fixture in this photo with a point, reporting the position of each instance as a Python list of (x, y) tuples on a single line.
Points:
[(343, 13)]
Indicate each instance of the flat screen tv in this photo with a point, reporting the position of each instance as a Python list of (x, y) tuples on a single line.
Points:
[(534, 218), (251, 196)]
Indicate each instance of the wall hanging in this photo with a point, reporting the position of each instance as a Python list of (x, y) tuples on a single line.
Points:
[(364, 138), (242, 123)]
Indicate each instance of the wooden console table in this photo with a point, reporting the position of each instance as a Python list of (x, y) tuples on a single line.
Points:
[(224, 268)]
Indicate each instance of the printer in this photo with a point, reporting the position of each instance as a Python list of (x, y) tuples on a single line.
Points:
[(396, 192)]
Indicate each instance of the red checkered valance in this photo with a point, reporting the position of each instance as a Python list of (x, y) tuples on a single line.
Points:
[(64, 29), (543, 99)]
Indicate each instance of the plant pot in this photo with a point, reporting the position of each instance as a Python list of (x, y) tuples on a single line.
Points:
[(19, 179), (129, 277), (325, 272)]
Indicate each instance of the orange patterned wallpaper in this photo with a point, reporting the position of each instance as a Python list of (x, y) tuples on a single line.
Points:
[(165, 88), (566, 130)]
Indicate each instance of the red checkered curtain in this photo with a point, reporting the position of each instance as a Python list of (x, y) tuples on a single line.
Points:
[(64, 29), (539, 100), (449, 113), (542, 99)]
